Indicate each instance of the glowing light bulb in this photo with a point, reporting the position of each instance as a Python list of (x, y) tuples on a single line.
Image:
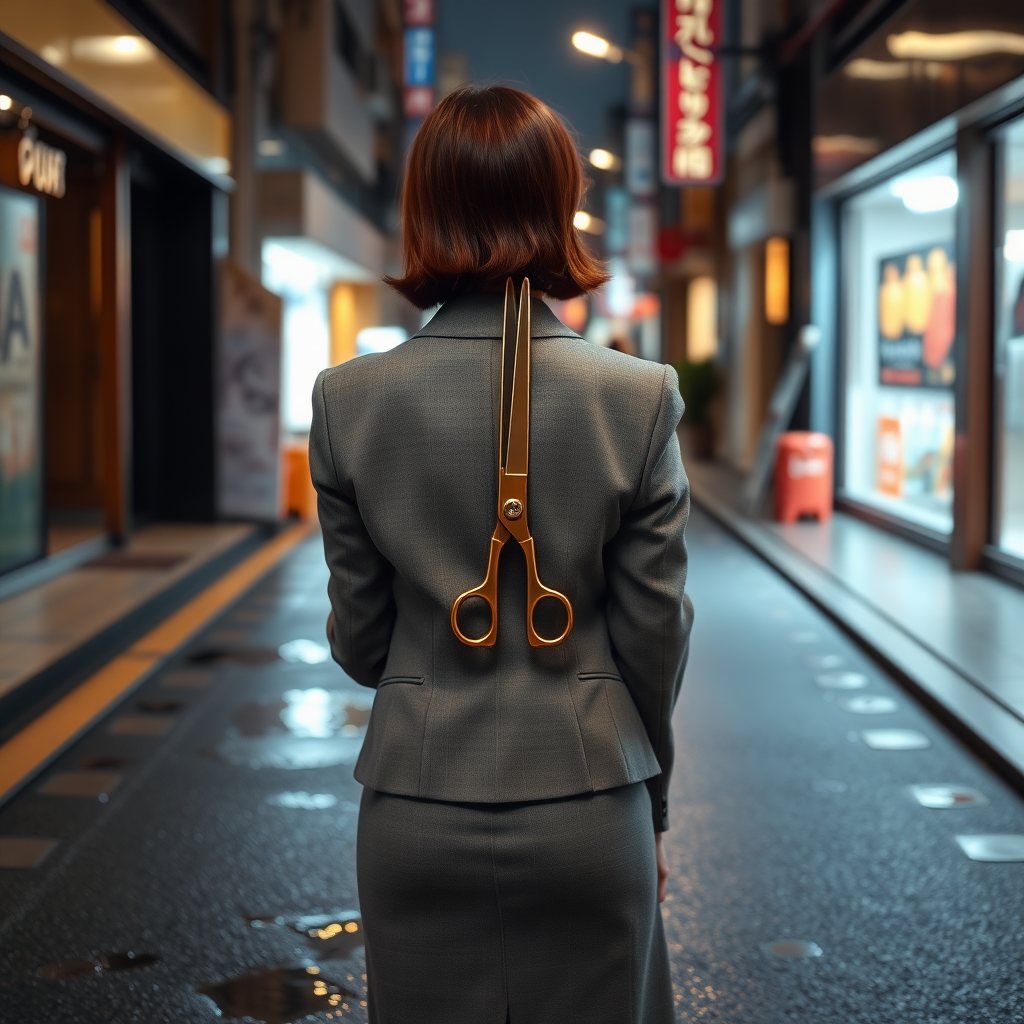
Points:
[(603, 160), (926, 195), (595, 46)]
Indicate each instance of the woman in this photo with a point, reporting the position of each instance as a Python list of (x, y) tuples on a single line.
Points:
[(509, 854)]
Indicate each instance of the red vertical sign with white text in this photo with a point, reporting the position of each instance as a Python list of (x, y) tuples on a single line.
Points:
[(691, 83)]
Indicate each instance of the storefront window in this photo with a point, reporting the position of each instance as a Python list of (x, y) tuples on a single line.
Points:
[(899, 297), (1009, 531)]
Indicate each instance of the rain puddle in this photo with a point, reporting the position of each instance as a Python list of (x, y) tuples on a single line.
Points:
[(795, 949), (280, 995), (312, 728), (334, 936), (295, 652), (304, 801), (86, 967)]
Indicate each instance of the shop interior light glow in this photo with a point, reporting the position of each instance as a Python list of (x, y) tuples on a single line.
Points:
[(113, 49), (584, 221), (595, 46), (701, 319), (877, 70), (604, 160), (379, 339), (926, 195), (5, 102), (776, 280), (1013, 246), (954, 45)]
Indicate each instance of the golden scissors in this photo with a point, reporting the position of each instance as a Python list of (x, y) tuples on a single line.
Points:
[(513, 468)]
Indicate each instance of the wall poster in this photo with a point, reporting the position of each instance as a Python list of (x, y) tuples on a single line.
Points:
[(21, 471), (917, 318), (249, 398)]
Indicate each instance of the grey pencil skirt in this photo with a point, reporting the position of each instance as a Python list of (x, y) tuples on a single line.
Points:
[(531, 913)]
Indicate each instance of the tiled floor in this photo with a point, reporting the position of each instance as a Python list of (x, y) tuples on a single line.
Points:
[(43, 624), (974, 621)]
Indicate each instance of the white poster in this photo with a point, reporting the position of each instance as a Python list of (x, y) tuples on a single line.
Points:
[(21, 476), (249, 398)]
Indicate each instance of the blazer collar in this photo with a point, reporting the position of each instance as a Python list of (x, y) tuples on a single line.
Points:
[(479, 316)]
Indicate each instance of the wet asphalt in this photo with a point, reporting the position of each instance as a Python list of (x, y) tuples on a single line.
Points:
[(206, 867)]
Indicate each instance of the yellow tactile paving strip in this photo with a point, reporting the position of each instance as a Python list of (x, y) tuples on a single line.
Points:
[(37, 743)]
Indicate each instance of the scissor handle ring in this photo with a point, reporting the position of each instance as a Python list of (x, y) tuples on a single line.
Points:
[(536, 640), (483, 592)]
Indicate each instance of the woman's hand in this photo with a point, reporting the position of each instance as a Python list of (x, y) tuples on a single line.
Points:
[(662, 862)]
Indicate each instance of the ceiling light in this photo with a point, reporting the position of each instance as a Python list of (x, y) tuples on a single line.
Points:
[(954, 45), (877, 70), (113, 49), (217, 165), (53, 54), (5, 102), (595, 46), (926, 195), (1013, 246), (603, 160), (584, 221)]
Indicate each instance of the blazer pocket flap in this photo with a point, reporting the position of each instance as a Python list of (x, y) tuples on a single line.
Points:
[(599, 675), (411, 680)]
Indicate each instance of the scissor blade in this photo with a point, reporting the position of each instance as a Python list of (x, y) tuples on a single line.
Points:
[(517, 457), (508, 354)]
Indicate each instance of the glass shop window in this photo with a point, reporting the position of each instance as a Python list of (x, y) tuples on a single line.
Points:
[(899, 311), (1009, 357)]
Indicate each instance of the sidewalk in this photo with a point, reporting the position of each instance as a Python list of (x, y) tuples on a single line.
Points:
[(55, 630), (957, 638)]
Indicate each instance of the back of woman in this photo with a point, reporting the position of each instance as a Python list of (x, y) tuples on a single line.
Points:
[(507, 843)]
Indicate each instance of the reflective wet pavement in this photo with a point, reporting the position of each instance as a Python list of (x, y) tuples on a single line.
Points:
[(196, 861)]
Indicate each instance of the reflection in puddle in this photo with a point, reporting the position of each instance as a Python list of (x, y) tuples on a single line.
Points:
[(796, 949), (87, 966), (279, 995), (312, 728), (943, 797), (303, 801), (334, 936), (824, 661), (305, 652)]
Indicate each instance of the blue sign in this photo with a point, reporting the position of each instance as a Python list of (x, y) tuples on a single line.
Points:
[(419, 56)]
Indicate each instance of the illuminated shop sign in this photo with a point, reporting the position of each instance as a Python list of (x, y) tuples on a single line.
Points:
[(32, 164), (691, 92), (418, 12), (418, 94)]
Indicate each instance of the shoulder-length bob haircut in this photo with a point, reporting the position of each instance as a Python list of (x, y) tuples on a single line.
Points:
[(491, 187)]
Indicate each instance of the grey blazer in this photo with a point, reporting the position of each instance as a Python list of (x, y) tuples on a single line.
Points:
[(403, 455)]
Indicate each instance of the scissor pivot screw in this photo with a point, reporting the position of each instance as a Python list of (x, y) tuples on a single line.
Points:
[(512, 509)]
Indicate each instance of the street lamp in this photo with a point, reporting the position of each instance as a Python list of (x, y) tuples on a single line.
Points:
[(595, 46)]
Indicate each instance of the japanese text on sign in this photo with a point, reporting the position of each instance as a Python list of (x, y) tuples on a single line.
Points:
[(691, 84)]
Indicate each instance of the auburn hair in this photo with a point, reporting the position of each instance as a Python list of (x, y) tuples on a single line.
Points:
[(492, 183)]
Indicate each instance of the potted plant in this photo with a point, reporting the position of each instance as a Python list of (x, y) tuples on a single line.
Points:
[(698, 384)]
